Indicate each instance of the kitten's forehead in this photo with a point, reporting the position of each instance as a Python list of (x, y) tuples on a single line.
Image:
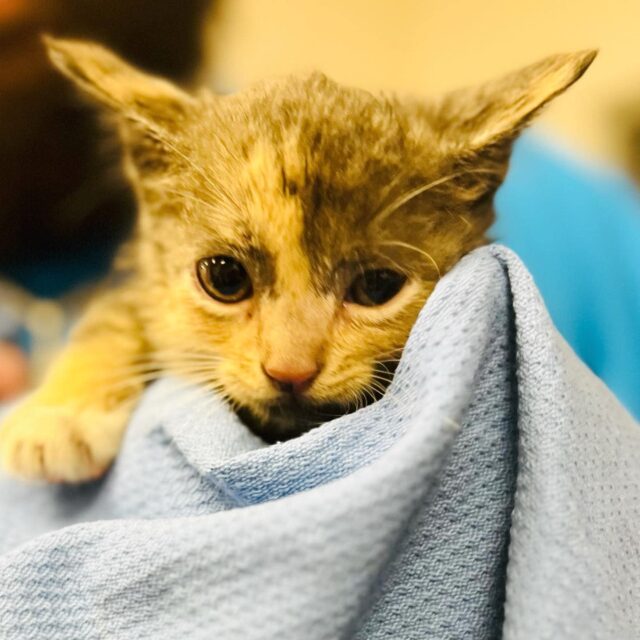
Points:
[(316, 159), (306, 165)]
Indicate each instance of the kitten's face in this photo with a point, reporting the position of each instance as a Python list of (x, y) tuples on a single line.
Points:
[(290, 234), (295, 185)]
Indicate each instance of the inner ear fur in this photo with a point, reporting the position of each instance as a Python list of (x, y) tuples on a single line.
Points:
[(478, 126), (146, 109), (114, 83), (500, 109)]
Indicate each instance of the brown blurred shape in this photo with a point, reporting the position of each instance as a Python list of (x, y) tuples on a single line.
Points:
[(626, 116), (61, 188)]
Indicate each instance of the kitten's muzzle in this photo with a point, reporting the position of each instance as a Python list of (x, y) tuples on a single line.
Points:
[(291, 381)]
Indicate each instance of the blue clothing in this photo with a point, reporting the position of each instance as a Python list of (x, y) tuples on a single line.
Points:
[(577, 229)]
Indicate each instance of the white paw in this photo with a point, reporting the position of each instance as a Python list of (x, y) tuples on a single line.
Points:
[(59, 443)]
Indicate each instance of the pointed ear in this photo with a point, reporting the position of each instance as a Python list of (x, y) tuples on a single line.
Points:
[(475, 128), (499, 110), (112, 82), (146, 108)]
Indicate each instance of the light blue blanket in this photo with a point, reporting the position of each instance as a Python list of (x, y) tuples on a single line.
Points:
[(493, 492)]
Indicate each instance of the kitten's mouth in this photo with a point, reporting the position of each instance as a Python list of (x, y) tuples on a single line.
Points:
[(291, 414)]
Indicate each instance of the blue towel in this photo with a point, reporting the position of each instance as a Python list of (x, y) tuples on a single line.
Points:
[(492, 492)]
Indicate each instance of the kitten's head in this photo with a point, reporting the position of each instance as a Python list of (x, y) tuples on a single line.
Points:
[(289, 234)]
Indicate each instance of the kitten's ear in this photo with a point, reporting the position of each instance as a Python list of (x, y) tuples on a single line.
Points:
[(146, 108), (477, 127), (499, 110), (115, 84)]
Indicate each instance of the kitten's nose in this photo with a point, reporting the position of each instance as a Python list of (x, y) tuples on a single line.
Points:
[(291, 380)]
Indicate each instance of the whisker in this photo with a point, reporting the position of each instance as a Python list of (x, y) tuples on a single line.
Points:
[(378, 385), (182, 352), (157, 367), (392, 207), (399, 243), (189, 196), (369, 392), (410, 195), (395, 264), (215, 189), (384, 380), (465, 221)]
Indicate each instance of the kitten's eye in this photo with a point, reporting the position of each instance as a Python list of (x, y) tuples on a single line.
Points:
[(224, 278), (375, 287)]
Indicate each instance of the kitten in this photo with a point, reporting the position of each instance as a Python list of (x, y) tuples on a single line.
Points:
[(287, 238)]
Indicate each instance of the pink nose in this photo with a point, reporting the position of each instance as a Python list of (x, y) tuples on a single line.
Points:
[(291, 380)]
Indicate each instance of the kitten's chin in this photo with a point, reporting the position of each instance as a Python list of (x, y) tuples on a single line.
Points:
[(289, 418)]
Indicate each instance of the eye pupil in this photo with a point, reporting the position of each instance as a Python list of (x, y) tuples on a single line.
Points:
[(375, 287), (224, 278)]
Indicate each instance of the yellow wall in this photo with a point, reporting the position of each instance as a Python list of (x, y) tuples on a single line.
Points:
[(426, 46)]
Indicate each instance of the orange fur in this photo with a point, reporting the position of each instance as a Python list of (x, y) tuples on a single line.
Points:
[(308, 184)]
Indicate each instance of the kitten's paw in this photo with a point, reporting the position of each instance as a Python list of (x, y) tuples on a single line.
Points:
[(59, 443)]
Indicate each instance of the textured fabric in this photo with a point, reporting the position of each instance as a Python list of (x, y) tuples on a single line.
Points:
[(493, 492)]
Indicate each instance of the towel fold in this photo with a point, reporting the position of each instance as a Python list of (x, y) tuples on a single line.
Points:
[(492, 492)]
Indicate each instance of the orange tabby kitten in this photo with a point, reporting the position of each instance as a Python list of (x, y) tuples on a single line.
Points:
[(287, 238)]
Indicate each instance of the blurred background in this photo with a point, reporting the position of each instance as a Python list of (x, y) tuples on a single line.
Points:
[(570, 206), (430, 46)]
